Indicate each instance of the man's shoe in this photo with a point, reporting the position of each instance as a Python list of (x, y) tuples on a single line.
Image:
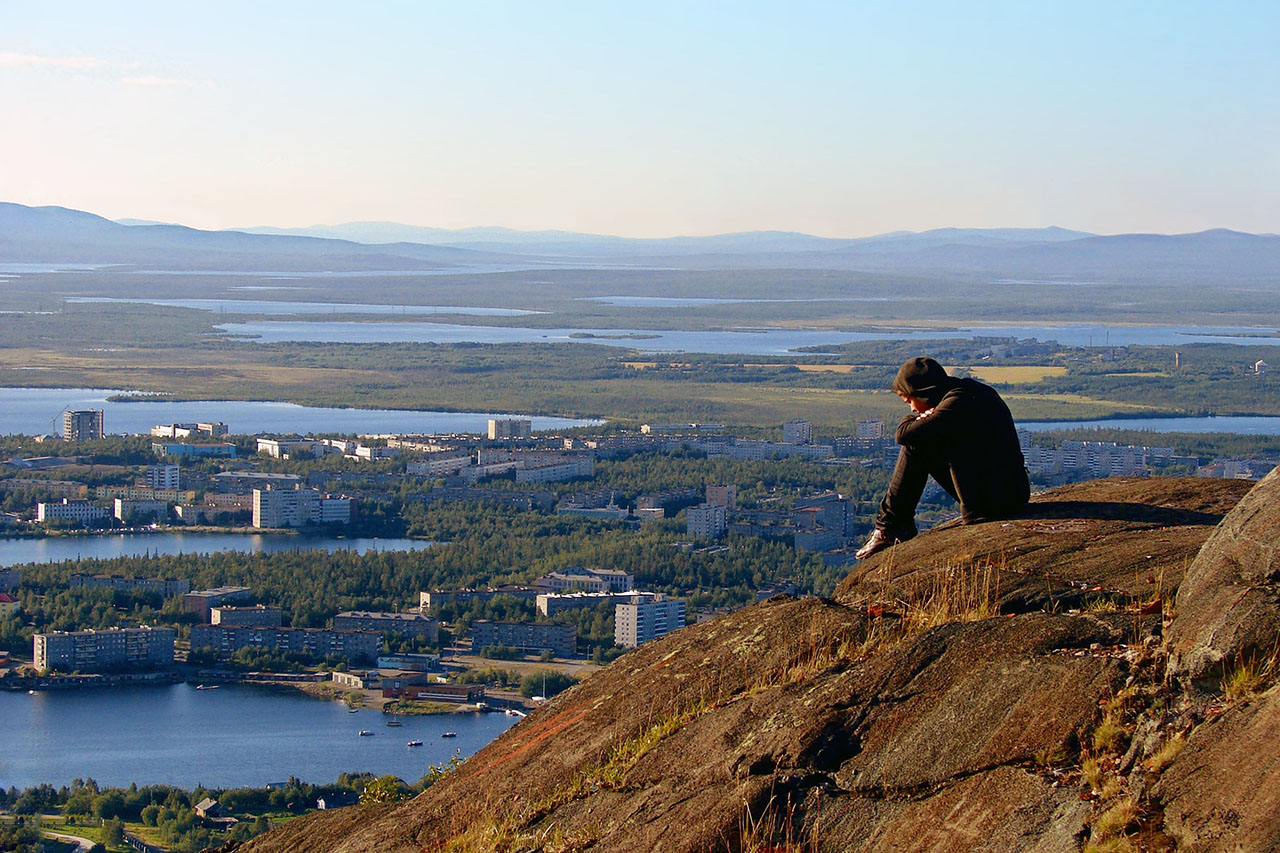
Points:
[(878, 542)]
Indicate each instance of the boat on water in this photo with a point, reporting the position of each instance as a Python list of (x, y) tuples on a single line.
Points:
[(394, 723), (366, 733), (415, 743), (448, 734), (207, 686), (31, 693), (353, 710)]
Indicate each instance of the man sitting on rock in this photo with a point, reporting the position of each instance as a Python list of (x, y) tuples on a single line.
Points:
[(959, 432)]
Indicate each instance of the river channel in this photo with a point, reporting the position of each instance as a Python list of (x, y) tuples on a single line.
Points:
[(228, 737)]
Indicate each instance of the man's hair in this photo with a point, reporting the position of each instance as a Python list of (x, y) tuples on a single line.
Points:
[(922, 378)]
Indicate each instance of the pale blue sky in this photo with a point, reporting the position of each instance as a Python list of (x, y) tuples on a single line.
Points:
[(648, 119)]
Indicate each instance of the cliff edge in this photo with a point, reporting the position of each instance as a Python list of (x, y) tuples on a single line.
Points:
[(1003, 686)]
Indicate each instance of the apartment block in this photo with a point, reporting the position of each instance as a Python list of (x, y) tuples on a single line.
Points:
[(551, 603), (135, 510), (797, 432), (9, 579), (99, 651), (576, 578), (562, 640), (163, 587), (706, 521), (225, 640), (244, 482), (442, 597), (77, 512), (404, 624), (184, 450), (168, 477), (509, 428), (275, 508), (82, 425), (646, 616), (442, 464), (725, 496), (257, 616)]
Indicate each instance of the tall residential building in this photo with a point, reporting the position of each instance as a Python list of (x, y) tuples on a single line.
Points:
[(706, 521), (725, 496), (647, 616), (164, 476), (96, 651), (505, 428), (869, 430), (256, 616), (273, 508), (82, 425), (797, 432)]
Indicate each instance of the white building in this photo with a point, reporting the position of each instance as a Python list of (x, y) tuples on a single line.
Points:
[(275, 508), (646, 616), (507, 428), (797, 432), (79, 512), (706, 521), (441, 464), (869, 430), (149, 510), (165, 477)]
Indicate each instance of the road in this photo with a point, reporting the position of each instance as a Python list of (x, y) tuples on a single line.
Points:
[(84, 843)]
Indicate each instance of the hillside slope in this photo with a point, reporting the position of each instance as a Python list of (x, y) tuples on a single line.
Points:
[(995, 687)]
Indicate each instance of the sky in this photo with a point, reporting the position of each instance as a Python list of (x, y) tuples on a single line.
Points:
[(648, 119)]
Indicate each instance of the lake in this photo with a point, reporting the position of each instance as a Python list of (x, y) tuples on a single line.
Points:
[(38, 411), (1244, 425), (232, 736), (738, 341), (265, 306), (55, 549)]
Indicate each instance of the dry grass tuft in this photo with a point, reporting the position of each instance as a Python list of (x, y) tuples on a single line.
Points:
[(1107, 833), (1165, 755), (1249, 677)]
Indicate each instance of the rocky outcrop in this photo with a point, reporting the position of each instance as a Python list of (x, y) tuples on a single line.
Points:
[(955, 696), (1228, 608)]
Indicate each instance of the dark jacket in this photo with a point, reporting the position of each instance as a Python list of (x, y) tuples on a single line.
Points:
[(973, 430)]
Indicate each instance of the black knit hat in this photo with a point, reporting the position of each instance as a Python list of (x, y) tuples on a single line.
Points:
[(923, 378)]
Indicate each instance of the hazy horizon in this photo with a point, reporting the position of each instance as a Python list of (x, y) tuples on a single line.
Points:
[(648, 120)]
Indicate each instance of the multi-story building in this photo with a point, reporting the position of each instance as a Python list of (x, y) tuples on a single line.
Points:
[(441, 597), (646, 616), (10, 579), (725, 496), (576, 578), (292, 448), (797, 432), (509, 428), (257, 616), (183, 450), (82, 425), (58, 488), (650, 429), (97, 651), (202, 601), (225, 640), (77, 512), (561, 640), (441, 464), (274, 508), (244, 482), (706, 521), (165, 476), (404, 624), (135, 510), (163, 587), (7, 605), (551, 603)]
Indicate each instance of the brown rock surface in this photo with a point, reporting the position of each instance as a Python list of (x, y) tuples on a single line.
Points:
[(1228, 607), (1122, 536), (1223, 791), (809, 722)]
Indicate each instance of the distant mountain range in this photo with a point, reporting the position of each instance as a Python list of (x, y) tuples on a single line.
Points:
[(55, 234)]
